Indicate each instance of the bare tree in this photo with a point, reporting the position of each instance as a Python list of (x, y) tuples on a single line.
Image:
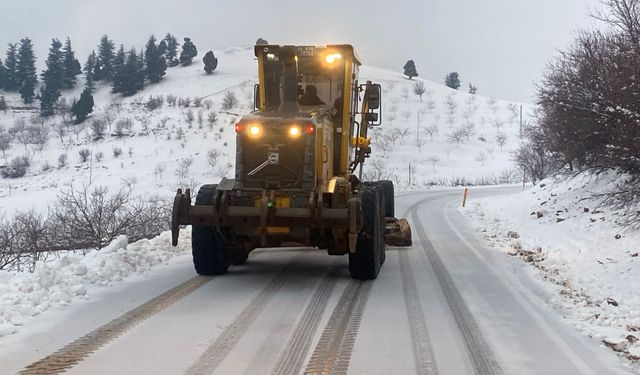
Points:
[(432, 130), (230, 100), (6, 137), (200, 118), (405, 93), (433, 160), (481, 158), (182, 170), (61, 130), (377, 170), (98, 128), (501, 139), (419, 89), (406, 114), (188, 117), (457, 136), (212, 158), (452, 105), (158, 171), (402, 132)]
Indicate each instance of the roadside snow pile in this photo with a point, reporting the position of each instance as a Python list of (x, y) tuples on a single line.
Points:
[(74, 276), (579, 245)]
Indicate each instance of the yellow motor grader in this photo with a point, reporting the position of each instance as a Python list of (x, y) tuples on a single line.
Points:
[(298, 176)]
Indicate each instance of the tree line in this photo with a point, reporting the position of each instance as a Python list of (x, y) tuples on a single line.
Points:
[(126, 71)]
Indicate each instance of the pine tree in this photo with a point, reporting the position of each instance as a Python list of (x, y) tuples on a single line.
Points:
[(139, 81), (130, 79), (410, 69), (106, 52), (1, 75), (452, 80), (53, 75), (89, 71), (172, 49), (162, 49), (3, 104), (26, 70), (10, 68), (473, 89), (155, 64), (210, 62), (53, 79), (118, 67), (189, 51), (71, 66), (81, 108)]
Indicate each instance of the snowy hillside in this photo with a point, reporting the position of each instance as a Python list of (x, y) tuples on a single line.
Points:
[(167, 147), (578, 244)]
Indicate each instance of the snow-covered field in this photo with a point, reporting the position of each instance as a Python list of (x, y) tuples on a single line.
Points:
[(561, 228), (159, 140)]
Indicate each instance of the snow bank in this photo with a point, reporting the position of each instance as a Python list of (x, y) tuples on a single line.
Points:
[(561, 228), (74, 277)]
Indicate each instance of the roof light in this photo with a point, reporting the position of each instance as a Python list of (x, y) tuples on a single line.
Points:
[(332, 57)]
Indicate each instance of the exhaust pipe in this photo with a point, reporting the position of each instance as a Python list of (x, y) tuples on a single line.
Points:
[(289, 80)]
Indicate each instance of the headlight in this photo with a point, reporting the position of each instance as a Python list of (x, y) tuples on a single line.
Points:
[(294, 131), (255, 130)]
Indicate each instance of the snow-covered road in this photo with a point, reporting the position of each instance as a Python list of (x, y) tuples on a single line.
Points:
[(447, 305)]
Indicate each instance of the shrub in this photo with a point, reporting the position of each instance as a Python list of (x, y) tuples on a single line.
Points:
[(230, 100), (17, 167), (154, 103), (117, 151), (84, 155), (62, 160)]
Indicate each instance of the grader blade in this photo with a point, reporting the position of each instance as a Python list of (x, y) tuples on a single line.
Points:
[(397, 232)]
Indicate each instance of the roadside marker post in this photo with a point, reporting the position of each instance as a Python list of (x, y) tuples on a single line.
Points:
[(464, 197)]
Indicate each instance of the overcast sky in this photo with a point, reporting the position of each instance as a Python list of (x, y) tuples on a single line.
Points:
[(501, 46)]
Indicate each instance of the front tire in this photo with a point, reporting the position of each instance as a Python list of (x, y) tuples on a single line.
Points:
[(366, 262), (209, 254)]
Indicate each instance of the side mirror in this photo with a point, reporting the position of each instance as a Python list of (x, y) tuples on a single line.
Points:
[(373, 95), (371, 117)]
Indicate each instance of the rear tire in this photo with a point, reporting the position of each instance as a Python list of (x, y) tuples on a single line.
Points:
[(209, 254), (389, 201), (366, 262)]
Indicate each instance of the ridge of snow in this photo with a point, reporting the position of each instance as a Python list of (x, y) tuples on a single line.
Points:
[(73, 277), (561, 228)]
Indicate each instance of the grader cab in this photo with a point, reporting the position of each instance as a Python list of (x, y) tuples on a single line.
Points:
[(298, 176)]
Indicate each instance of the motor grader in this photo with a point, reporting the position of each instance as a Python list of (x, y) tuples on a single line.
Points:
[(298, 176)]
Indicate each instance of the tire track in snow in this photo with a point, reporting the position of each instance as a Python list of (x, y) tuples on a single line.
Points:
[(422, 352), (482, 357), (333, 351), (76, 351), (213, 356), (292, 358)]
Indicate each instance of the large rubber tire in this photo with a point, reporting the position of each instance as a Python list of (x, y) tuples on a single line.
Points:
[(209, 255), (383, 197), (366, 262), (389, 199)]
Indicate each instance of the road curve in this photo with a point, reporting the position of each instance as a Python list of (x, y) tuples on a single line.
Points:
[(446, 305)]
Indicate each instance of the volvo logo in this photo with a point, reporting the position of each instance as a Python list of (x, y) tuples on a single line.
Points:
[(273, 158)]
